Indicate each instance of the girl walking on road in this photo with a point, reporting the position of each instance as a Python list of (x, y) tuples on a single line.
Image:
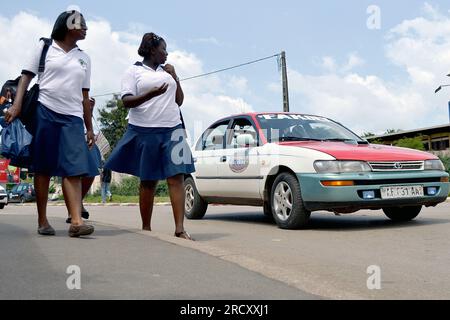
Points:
[(149, 148), (60, 147)]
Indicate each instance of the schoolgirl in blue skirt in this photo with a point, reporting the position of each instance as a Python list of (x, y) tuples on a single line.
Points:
[(154, 146), (59, 147)]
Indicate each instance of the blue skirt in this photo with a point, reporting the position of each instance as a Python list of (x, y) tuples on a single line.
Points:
[(59, 146), (152, 153), (96, 155)]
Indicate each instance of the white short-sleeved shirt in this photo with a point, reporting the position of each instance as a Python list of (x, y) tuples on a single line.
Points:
[(161, 111), (64, 78)]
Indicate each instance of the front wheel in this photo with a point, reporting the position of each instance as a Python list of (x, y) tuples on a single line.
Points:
[(287, 205), (402, 214), (194, 206), (2, 206)]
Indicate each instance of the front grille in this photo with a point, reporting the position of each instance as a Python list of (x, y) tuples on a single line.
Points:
[(397, 166)]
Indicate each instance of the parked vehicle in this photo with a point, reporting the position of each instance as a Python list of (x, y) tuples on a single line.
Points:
[(295, 164), (3, 197), (22, 192)]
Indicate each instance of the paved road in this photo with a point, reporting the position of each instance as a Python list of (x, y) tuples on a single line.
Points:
[(118, 264), (329, 260)]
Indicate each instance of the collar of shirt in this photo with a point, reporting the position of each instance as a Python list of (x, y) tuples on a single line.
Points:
[(160, 68), (57, 47)]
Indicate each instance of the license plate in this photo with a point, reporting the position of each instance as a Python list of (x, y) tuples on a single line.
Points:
[(402, 192)]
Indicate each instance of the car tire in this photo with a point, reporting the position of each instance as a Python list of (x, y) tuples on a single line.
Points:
[(195, 206), (402, 214), (2, 206), (22, 200), (287, 205)]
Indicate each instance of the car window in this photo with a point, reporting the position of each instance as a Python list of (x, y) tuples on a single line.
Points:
[(323, 130), (20, 188), (242, 127), (211, 138)]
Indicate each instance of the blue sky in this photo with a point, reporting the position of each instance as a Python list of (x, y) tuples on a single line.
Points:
[(224, 33)]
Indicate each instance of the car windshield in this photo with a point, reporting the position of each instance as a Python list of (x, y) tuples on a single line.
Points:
[(296, 127)]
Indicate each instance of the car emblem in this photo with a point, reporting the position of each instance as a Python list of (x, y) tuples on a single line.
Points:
[(398, 166)]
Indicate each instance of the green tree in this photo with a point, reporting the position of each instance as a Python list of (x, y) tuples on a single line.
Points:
[(113, 120), (411, 143)]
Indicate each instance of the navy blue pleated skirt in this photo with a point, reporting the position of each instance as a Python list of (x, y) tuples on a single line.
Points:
[(96, 155), (152, 153), (59, 146)]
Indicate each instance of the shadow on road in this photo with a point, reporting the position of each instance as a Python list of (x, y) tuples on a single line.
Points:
[(328, 221)]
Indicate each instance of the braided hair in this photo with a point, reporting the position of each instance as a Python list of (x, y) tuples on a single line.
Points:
[(149, 41)]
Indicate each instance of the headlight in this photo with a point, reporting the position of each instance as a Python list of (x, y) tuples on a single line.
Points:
[(434, 165), (341, 166)]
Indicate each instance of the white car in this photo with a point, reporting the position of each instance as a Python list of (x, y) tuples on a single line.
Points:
[(294, 164), (3, 197)]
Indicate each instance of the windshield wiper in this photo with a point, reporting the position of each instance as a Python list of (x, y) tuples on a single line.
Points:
[(347, 140), (297, 139)]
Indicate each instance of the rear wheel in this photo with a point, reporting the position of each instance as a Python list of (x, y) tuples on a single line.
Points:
[(402, 214), (287, 205), (2, 206), (195, 206), (22, 199)]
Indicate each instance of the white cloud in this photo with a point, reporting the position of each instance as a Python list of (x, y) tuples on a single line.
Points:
[(354, 61), (238, 84), (329, 64), (111, 53)]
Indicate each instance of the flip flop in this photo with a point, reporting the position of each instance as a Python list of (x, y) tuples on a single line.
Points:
[(46, 231), (78, 231), (184, 235)]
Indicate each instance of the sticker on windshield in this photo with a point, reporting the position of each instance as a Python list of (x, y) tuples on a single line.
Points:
[(281, 116)]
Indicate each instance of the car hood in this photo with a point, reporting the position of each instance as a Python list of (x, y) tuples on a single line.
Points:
[(371, 152)]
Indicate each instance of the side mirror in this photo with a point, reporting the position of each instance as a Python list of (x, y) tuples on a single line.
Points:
[(245, 140)]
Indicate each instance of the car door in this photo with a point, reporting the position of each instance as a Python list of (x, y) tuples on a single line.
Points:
[(239, 167), (209, 151)]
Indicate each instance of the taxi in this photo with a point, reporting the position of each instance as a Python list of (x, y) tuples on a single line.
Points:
[(295, 164)]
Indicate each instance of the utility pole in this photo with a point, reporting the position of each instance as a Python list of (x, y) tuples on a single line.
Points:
[(285, 82)]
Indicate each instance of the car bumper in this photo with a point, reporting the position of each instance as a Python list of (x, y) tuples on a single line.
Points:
[(4, 199), (316, 196)]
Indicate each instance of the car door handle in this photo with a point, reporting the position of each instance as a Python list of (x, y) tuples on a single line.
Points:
[(223, 159)]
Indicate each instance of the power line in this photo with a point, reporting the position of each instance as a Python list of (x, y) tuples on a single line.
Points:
[(209, 73), (234, 67)]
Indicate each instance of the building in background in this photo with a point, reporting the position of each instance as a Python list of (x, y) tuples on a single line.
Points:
[(435, 139)]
